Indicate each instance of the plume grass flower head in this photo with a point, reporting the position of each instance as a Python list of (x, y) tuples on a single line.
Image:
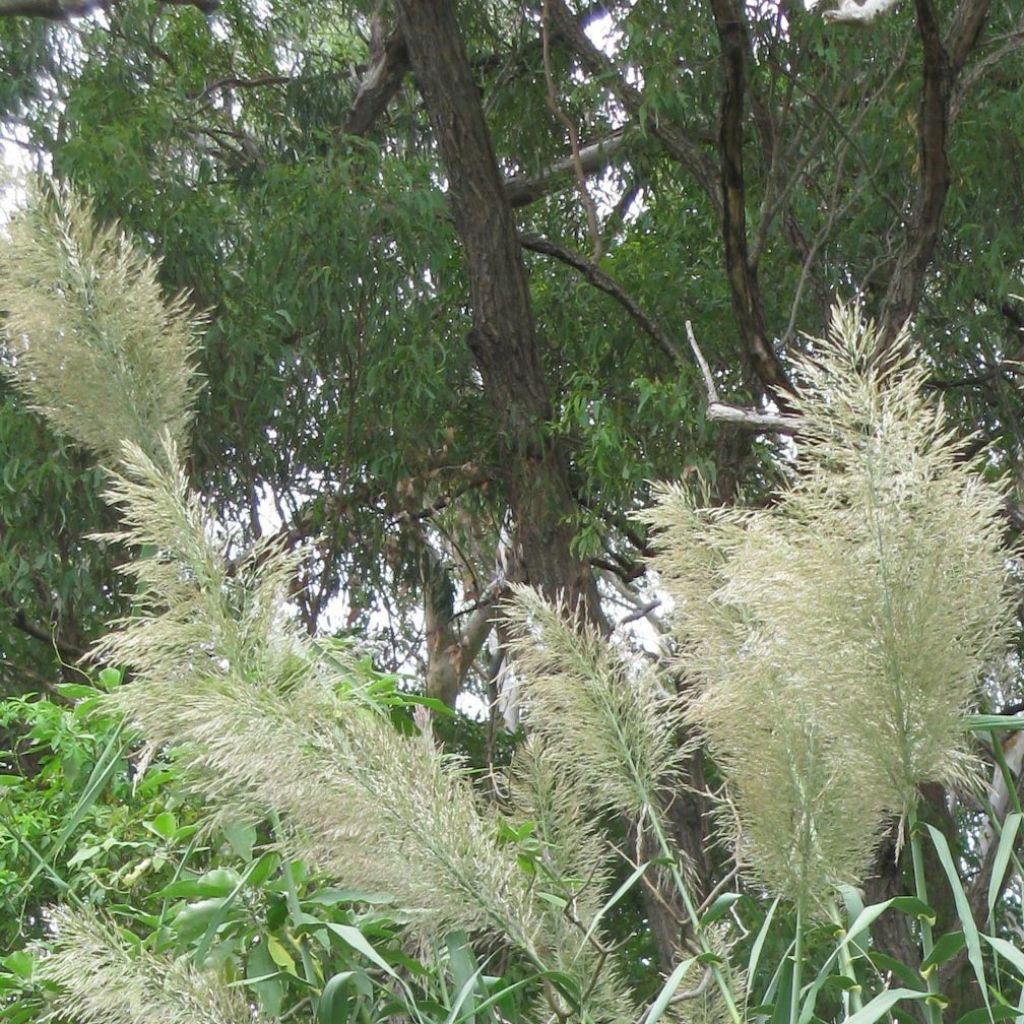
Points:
[(609, 731), (837, 638), (99, 979), (91, 338)]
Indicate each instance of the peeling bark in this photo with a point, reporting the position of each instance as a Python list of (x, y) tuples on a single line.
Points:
[(382, 81)]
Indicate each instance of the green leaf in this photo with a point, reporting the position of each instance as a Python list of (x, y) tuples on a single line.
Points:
[(466, 974), (906, 904), (963, 908), (354, 937), (164, 825), (668, 991), (109, 679), (1008, 951), (335, 1003), (280, 955), (986, 723), (944, 949), (885, 963), (719, 908), (758, 946), (882, 1004), (984, 1016), (20, 963), (1007, 839), (330, 897), (241, 839)]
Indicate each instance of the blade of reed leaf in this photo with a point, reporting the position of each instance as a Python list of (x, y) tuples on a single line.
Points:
[(963, 909), (1007, 839), (98, 779), (1008, 951), (882, 1004), (668, 990), (758, 946)]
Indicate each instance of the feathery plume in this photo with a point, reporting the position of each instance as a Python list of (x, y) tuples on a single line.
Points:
[(193, 617), (101, 981), (609, 732), (92, 340), (574, 869), (838, 637)]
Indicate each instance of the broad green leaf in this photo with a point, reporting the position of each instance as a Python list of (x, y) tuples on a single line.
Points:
[(164, 825), (335, 1003), (1007, 839), (945, 948), (280, 955), (465, 973), (882, 1004), (668, 991)]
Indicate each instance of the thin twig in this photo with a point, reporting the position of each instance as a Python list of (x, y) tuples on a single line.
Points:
[(574, 139), (695, 993)]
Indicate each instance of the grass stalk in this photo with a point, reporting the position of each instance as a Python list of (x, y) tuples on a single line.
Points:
[(798, 966), (852, 1002), (691, 911), (921, 891)]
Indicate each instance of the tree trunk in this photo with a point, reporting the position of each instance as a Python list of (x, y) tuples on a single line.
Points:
[(534, 467)]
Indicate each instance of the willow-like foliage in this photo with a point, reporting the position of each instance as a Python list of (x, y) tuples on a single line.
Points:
[(609, 732), (100, 980), (91, 338), (838, 637)]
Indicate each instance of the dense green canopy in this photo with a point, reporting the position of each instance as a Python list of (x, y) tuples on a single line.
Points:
[(374, 379)]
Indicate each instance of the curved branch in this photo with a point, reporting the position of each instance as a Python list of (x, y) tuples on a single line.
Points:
[(607, 284)]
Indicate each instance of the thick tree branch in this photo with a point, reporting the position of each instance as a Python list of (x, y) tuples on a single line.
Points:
[(746, 293), (968, 21), (593, 158), (502, 339), (381, 82), (907, 281)]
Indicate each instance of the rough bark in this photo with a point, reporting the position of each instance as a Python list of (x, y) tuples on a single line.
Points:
[(388, 67), (747, 303), (534, 467), (906, 284)]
